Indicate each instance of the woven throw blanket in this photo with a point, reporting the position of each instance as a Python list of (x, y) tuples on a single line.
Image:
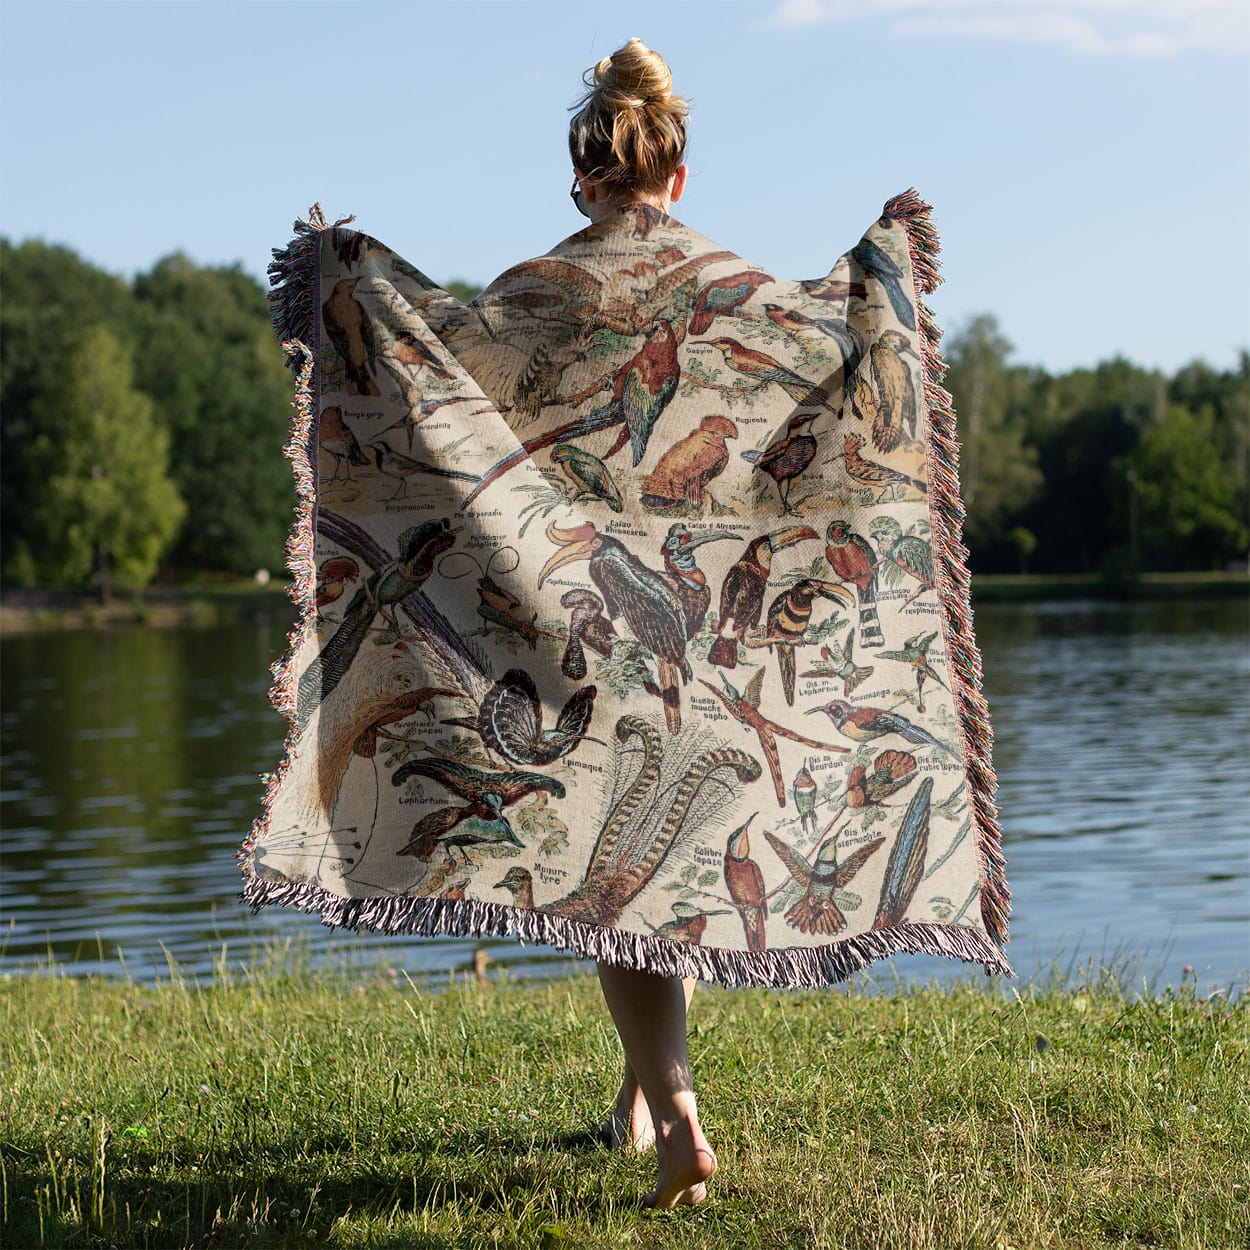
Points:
[(635, 618)]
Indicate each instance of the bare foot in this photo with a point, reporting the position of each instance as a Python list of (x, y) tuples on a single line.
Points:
[(629, 1126), (686, 1165)]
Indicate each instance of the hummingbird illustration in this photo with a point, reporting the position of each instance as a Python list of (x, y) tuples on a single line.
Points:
[(838, 661), (915, 651), (817, 911)]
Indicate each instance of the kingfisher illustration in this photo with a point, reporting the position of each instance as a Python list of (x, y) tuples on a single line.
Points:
[(487, 794), (588, 627), (652, 608), (685, 470), (903, 554), (763, 369), (745, 883), (588, 474), (878, 264), (866, 724), (896, 416), (891, 771), (723, 296), (510, 721), (852, 558), (419, 547), (817, 911), (905, 868), (742, 592), (804, 789), (839, 661), (785, 459), (789, 615), (745, 709), (915, 651), (348, 327), (682, 571)]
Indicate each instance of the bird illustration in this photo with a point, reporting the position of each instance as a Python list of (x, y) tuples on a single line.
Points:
[(588, 627), (419, 547), (395, 465), (903, 554), (641, 390), (510, 721), (877, 264), (487, 794), (835, 291), (742, 592), (906, 864), (333, 578), (336, 439), (683, 472), (745, 709), (852, 558), (835, 328), (348, 327), (804, 789), (896, 414), (419, 409), (588, 474), (401, 707), (689, 923), (763, 369), (886, 482), (866, 724), (891, 771), (915, 651), (723, 296), (745, 883), (839, 661), (785, 459), (651, 607), (682, 572), (410, 350), (788, 617), (817, 911)]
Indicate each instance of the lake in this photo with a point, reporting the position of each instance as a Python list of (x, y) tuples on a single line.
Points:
[(131, 759)]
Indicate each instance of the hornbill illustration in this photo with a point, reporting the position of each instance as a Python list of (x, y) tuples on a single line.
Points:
[(903, 554), (419, 547), (348, 327), (906, 864), (510, 721), (896, 414), (877, 264), (639, 833), (838, 661), (891, 771), (487, 794), (866, 724), (641, 390), (689, 465), (588, 474), (788, 617), (652, 609), (588, 627), (817, 911), (745, 709), (853, 559), (742, 593), (785, 459), (745, 883), (683, 574), (723, 296)]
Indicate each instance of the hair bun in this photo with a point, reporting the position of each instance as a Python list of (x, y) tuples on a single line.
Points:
[(634, 76)]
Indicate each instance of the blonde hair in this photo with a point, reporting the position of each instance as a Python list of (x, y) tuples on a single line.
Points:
[(629, 132)]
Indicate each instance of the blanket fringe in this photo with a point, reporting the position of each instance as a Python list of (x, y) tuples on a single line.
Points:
[(951, 566), (789, 968)]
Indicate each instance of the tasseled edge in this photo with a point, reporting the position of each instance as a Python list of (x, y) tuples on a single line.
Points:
[(791, 968), (295, 281), (950, 562)]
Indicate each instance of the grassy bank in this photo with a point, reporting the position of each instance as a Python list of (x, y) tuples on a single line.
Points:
[(290, 1111)]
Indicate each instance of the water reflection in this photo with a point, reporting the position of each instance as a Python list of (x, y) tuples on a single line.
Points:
[(131, 763)]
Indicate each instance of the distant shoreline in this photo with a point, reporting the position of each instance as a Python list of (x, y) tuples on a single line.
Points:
[(201, 605)]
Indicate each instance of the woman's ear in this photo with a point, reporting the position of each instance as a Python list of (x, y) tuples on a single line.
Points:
[(678, 185)]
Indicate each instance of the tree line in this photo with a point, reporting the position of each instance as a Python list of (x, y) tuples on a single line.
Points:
[(143, 423)]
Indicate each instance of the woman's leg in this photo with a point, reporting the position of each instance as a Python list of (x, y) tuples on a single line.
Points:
[(650, 1015), (629, 1125)]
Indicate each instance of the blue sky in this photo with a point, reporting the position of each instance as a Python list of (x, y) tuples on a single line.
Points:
[(1088, 160)]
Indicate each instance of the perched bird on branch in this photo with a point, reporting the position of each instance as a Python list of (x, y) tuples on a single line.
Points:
[(852, 558), (349, 328), (723, 296), (866, 724), (745, 883)]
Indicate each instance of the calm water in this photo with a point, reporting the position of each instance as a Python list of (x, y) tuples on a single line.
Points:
[(130, 762)]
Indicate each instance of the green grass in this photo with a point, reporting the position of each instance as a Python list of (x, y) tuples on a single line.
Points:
[(296, 1110)]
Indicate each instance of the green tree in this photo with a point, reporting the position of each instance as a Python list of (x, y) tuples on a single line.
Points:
[(1186, 495), (104, 503)]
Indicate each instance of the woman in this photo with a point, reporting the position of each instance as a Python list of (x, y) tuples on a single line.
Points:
[(624, 574)]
